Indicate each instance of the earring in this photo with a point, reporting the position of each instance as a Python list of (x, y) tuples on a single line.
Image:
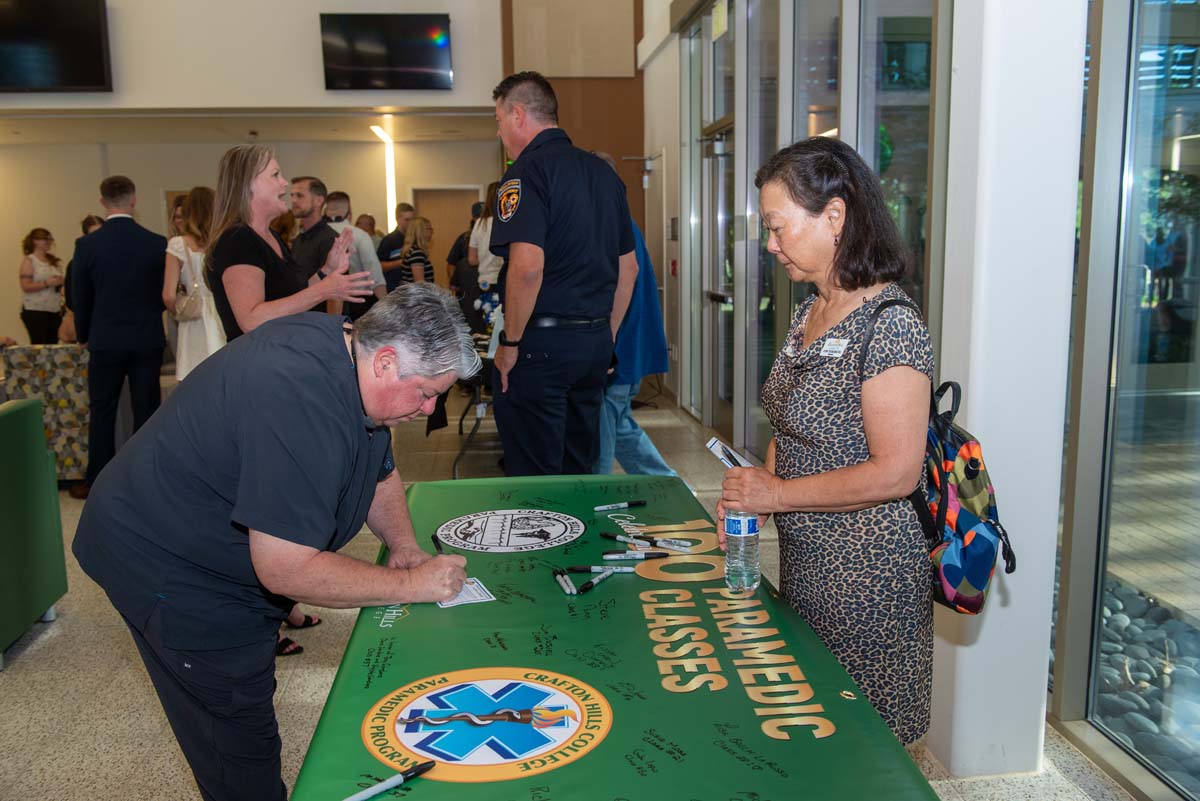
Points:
[(837, 240)]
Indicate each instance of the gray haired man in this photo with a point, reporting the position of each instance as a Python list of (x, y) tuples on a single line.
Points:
[(230, 506)]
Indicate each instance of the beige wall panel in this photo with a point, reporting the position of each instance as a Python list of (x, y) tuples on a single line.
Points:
[(574, 38)]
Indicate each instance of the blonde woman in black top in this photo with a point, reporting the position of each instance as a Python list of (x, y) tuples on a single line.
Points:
[(250, 270), (415, 266)]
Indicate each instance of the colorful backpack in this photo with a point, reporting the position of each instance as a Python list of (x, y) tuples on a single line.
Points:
[(958, 508)]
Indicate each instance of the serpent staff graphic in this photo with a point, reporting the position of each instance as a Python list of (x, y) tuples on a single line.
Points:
[(539, 717)]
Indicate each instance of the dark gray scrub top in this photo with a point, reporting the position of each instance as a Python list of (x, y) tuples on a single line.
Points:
[(268, 433)]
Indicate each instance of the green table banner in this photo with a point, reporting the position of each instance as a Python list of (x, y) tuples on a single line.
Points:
[(659, 685)]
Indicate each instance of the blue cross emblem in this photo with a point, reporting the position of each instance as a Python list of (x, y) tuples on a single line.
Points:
[(457, 740)]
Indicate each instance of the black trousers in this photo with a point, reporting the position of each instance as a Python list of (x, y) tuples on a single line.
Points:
[(42, 326), (107, 371), (221, 707), (549, 420)]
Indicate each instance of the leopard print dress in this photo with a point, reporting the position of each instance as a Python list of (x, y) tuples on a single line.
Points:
[(860, 579)]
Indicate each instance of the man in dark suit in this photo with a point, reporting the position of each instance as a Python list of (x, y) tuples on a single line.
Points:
[(117, 291)]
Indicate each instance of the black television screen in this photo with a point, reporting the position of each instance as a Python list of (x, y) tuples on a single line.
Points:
[(387, 51), (54, 46)]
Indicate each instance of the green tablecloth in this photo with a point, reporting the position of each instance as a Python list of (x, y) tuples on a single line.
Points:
[(661, 685)]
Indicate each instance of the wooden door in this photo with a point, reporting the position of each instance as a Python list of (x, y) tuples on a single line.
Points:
[(449, 211)]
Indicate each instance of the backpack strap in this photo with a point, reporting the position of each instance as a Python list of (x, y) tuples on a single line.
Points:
[(955, 400), (933, 534), (883, 306)]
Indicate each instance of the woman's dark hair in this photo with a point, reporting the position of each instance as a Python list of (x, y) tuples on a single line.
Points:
[(817, 170), (89, 221)]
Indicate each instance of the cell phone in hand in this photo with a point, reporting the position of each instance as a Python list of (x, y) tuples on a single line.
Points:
[(728, 456)]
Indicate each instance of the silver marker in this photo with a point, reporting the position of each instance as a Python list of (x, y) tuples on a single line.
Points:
[(601, 569)]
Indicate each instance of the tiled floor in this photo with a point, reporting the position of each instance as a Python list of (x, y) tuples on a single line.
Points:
[(79, 720)]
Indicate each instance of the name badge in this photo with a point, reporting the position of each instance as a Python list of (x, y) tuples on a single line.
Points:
[(834, 348)]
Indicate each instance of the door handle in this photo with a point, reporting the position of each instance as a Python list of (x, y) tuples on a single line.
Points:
[(719, 297)]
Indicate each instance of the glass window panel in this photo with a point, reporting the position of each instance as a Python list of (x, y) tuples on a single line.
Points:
[(815, 57), (894, 85), (1146, 669), (722, 59)]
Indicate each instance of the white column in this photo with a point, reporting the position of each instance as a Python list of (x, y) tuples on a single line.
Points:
[(1015, 115)]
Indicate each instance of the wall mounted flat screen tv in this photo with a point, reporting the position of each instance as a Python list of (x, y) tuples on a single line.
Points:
[(387, 51), (54, 46)]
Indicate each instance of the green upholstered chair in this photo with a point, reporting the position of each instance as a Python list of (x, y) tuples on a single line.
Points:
[(33, 570)]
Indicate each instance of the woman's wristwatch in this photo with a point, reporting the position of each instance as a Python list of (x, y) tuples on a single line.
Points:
[(508, 343)]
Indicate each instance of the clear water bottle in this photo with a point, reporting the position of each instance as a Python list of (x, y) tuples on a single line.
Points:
[(741, 551)]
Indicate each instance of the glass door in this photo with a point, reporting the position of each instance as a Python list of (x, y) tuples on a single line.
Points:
[(719, 282), (767, 312), (692, 82)]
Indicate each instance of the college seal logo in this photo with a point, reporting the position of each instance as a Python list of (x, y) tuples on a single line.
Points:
[(510, 530), (488, 724), (508, 198)]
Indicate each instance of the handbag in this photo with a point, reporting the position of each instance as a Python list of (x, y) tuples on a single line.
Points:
[(189, 304)]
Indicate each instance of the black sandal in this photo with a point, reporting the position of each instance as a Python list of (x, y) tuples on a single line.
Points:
[(309, 622), (286, 646)]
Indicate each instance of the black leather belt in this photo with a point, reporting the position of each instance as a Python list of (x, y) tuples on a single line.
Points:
[(546, 321)]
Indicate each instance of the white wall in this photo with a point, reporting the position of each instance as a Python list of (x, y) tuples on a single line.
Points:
[(59, 184), (658, 57), (258, 54)]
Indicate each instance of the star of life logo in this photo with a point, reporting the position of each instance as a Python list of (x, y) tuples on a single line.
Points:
[(488, 724)]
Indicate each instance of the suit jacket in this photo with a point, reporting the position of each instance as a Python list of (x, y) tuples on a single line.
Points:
[(116, 283)]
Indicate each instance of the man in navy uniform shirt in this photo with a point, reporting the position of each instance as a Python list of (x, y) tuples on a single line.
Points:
[(229, 504), (563, 224)]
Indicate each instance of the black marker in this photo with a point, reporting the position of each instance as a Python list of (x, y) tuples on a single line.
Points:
[(587, 585), (568, 587), (622, 538), (395, 781), (635, 555), (670, 545), (608, 507)]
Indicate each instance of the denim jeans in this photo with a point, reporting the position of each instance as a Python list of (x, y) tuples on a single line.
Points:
[(622, 438)]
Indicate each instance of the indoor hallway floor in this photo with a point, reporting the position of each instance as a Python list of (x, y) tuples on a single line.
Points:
[(79, 720)]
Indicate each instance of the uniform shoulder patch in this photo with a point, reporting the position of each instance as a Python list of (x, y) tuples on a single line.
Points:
[(508, 197)]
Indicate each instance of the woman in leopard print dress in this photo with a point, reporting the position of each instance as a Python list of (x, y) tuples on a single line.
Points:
[(848, 448)]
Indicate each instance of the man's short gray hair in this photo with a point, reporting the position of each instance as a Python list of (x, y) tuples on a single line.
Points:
[(425, 325)]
